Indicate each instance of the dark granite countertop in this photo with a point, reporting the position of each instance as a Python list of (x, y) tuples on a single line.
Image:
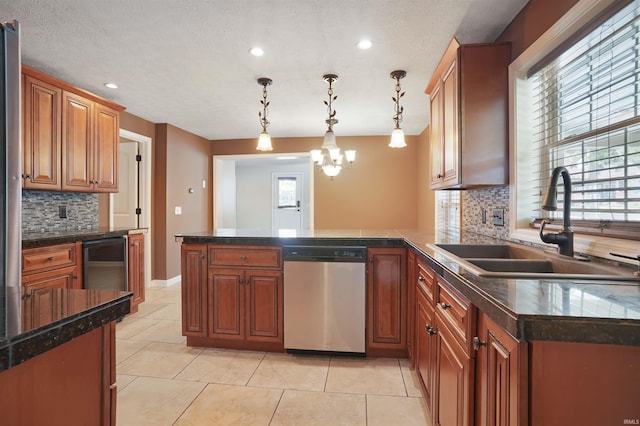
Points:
[(40, 239), (49, 317), (530, 309)]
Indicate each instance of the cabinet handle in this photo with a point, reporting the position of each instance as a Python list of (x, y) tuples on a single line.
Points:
[(421, 278), (243, 257), (202, 257), (26, 176), (445, 305), (429, 330), (241, 281), (51, 258), (439, 176), (75, 277), (477, 343)]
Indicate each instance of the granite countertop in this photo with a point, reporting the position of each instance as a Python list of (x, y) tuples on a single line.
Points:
[(530, 309), (50, 317), (40, 239)]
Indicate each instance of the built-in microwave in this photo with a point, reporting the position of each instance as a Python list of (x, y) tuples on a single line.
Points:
[(104, 264)]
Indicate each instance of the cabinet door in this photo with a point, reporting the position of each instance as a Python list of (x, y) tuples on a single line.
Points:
[(264, 306), (412, 279), (451, 125), (226, 303), (194, 290), (76, 143), (41, 139), (135, 269), (453, 378), (425, 348), (435, 138), (57, 278), (105, 149), (501, 376), (386, 302)]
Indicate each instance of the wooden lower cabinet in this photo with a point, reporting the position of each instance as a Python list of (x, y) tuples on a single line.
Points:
[(57, 266), (412, 278), (72, 384), (194, 290), (233, 307), (501, 376), (454, 374), (386, 302), (246, 306), (135, 269), (425, 346)]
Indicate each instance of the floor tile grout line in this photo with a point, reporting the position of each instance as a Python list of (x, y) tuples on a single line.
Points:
[(275, 410), (264, 355), (190, 404)]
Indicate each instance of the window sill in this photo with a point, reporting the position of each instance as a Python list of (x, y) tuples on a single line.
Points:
[(590, 245)]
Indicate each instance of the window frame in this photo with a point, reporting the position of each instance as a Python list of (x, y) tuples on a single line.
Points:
[(589, 242)]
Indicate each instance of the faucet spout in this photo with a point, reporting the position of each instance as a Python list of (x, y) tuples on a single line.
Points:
[(564, 238)]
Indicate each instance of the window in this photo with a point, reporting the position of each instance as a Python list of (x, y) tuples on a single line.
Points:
[(585, 115), (287, 191)]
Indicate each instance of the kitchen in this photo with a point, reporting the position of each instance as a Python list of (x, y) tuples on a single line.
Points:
[(182, 160)]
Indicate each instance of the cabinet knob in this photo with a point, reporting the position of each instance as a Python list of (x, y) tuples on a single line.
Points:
[(445, 305), (243, 257), (26, 176), (439, 176), (477, 343), (421, 278), (429, 330), (75, 277), (202, 257), (51, 258)]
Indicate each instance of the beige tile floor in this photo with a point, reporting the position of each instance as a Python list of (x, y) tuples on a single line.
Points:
[(162, 381)]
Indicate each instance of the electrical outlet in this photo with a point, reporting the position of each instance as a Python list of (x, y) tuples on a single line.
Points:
[(498, 217), (62, 212), (178, 210)]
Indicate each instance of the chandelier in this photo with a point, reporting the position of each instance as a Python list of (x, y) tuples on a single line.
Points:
[(264, 141), (397, 136), (329, 158)]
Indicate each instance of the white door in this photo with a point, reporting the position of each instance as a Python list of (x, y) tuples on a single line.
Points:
[(125, 202), (287, 201)]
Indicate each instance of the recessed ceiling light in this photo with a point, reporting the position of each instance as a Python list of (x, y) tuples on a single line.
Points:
[(111, 85), (364, 44), (256, 51)]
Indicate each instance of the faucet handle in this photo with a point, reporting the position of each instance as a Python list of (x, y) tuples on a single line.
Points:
[(542, 224)]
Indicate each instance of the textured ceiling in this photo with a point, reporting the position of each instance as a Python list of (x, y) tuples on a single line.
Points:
[(187, 63)]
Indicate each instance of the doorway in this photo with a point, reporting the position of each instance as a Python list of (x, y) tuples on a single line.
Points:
[(243, 191), (134, 191)]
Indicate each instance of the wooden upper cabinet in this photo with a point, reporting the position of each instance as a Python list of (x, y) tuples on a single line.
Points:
[(41, 147), (71, 137), (469, 116), (76, 143)]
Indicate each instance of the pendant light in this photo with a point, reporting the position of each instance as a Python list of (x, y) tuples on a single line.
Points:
[(397, 136), (328, 158), (264, 141)]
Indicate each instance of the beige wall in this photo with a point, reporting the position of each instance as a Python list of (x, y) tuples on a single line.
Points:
[(426, 197), (182, 161), (380, 190)]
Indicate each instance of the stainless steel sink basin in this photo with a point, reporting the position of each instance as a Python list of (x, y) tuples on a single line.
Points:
[(514, 261)]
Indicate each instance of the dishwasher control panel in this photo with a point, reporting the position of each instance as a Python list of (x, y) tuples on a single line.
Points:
[(325, 253)]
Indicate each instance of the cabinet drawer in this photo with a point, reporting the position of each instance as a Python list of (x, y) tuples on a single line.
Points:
[(426, 281), (48, 258), (245, 256), (457, 312)]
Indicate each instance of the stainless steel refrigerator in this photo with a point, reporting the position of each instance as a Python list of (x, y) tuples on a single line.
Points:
[(10, 179)]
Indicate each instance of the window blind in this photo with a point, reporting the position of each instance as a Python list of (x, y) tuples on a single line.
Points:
[(586, 117)]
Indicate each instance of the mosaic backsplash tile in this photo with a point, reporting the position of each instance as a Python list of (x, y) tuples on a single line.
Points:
[(487, 199), (41, 211)]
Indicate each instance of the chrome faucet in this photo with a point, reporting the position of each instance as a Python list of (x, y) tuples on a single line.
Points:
[(564, 238)]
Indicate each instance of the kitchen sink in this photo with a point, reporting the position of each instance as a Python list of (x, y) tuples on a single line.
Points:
[(514, 261)]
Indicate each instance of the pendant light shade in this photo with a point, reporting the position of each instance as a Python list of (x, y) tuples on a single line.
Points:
[(397, 139), (264, 141)]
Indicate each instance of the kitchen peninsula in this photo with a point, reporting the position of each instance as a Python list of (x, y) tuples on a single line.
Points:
[(527, 350)]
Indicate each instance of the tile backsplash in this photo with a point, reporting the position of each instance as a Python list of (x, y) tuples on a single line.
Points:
[(41, 211), (474, 202)]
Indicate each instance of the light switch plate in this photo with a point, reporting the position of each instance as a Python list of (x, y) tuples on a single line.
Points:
[(178, 210), (498, 217)]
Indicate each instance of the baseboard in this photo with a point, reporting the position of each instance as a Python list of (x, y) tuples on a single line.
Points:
[(166, 283)]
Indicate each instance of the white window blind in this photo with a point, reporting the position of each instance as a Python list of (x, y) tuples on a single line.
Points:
[(586, 112)]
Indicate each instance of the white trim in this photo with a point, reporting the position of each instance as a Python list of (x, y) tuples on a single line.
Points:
[(146, 142), (573, 20), (166, 283)]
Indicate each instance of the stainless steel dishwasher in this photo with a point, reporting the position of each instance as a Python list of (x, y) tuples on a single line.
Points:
[(324, 298)]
